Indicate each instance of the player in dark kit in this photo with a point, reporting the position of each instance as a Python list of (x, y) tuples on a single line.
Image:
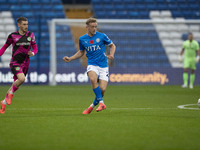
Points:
[(21, 41)]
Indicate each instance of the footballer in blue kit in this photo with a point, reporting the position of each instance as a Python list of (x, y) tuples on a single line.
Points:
[(95, 48), (97, 65)]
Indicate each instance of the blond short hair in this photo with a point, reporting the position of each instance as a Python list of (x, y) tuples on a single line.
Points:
[(91, 20)]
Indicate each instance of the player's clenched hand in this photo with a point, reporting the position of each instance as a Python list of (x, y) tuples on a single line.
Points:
[(30, 54), (66, 59), (110, 57), (180, 58), (197, 59)]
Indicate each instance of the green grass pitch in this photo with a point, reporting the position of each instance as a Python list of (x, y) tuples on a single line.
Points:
[(137, 117)]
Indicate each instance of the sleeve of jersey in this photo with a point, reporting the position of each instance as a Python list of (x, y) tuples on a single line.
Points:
[(6, 45), (81, 47), (197, 46), (107, 41), (3, 49), (35, 50), (34, 45)]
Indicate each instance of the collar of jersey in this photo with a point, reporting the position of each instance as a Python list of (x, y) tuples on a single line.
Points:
[(93, 35)]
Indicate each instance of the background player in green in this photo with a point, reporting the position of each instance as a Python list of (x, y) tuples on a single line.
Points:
[(191, 57)]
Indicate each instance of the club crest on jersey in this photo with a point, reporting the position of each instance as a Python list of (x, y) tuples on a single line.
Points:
[(29, 39), (91, 41), (97, 40), (17, 68)]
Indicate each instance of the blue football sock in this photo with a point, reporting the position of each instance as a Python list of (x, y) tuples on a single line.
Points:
[(98, 97), (96, 102)]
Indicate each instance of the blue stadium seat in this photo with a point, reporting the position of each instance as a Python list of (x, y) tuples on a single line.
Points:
[(193, 6), (149, 1), (5, 7), (162, 7), (196, 15), (106, 1), (177, 13), (56, 2), (58, 7), (47, 7), (172, 7), (45, 1), (33, 28), (25, 7), (13, 1), (23, 1), (119, 7), (109, 7), (144, 15), (141, 7), (97, 1), (16, 14), (34, 1), (130, 7), (183, 6), (133, 14), (3, 1), (97, 7), (128, 1), (101, 14), (36, 7), (122, 14), (28, 14), (15, 7)]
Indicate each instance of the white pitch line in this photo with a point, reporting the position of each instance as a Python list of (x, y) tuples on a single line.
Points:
[(185, 107), (42, 109), (63, 109), (137, 108)]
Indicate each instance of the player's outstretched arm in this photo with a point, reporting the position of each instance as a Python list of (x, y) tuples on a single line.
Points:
[(79, 54), (112, 51), (3, 49), (197, 57), (180, 58)]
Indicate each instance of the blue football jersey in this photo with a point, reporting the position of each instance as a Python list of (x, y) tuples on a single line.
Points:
[(95, 48)]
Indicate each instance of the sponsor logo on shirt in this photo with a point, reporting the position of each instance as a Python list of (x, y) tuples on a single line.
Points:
[(93, 48), (23, 43)]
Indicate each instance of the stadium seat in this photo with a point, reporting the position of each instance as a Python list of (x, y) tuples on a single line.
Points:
[(194, 28), (23, 1), (165, 14), (56, 2), (15, 7), (8, 21), (155, 14), (58, 7), (6, 14), (47, 7), (4, 7), (2, 33), (34, 2), (45, 1), (3, 1)]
